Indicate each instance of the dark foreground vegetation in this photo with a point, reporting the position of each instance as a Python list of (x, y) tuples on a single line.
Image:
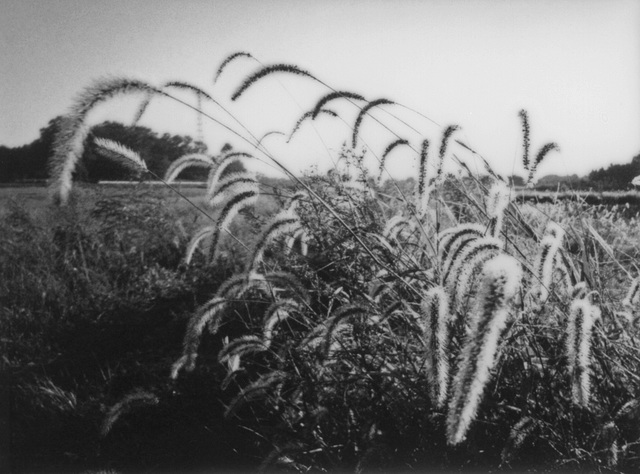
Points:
[(93, 303), (95, 299)]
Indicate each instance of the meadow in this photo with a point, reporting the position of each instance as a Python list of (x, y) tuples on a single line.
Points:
[(326, 322)]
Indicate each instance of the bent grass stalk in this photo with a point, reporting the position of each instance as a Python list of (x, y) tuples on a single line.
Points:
[(69, 140), (193, 159), (364, 111), (286, 221)]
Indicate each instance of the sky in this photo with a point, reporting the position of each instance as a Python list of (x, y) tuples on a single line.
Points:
[(573, 65)]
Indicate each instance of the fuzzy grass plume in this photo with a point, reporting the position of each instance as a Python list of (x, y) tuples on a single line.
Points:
[(68, 144), (267, 70), (464, 262), (424, 190), (324, 100), (451, 242), (546, 260), (529, 164), (526, 140), (500, 282), (210, 314), (228, 60), (312, 115), (436, 318), (275, 314), (578, 349), (286, 221), (121, 153), (133, 401), (222, 165), (186, 161), (233, 184), (363, 113), (338, 321), (231, 209), (387, 151), (444, 144), (497, 201)]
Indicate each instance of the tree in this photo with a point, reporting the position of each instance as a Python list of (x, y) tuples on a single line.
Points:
[(30, 161), (616, 176)]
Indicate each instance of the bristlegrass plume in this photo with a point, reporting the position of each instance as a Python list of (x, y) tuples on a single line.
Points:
[(222, 165), (284, 222), (324, 100), (228, 60), (232, 184), (133, 401), (436, 317), (275, 314), (526, 141), (68, 144), (500, 282), (451, 242), (578, 350), (395, 225), (337, 321), (186, 161), (231, 208), (546, 260), (521, 431), (363, 113), (444, 144), (497, 201), (121, 153), (267, 70), (310, 114), (424, 190), (529, 164), (465, 271), (464, 261), (387, 151)]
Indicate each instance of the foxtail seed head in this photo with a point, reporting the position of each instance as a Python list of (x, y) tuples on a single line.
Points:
[(500, 282), (578, 349), (436, 320), (121, 153), (69, 140), (193, 159)]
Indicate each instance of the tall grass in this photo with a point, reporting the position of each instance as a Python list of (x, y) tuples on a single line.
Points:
[(449, 325)]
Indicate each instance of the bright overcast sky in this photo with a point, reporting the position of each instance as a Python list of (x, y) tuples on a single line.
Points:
[(574, 65)]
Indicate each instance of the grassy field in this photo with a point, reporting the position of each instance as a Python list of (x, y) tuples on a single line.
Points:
[(96, 298), (327, 323)]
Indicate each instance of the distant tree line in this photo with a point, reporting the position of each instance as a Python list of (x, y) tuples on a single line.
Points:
[(616, 176), (30, 162)]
